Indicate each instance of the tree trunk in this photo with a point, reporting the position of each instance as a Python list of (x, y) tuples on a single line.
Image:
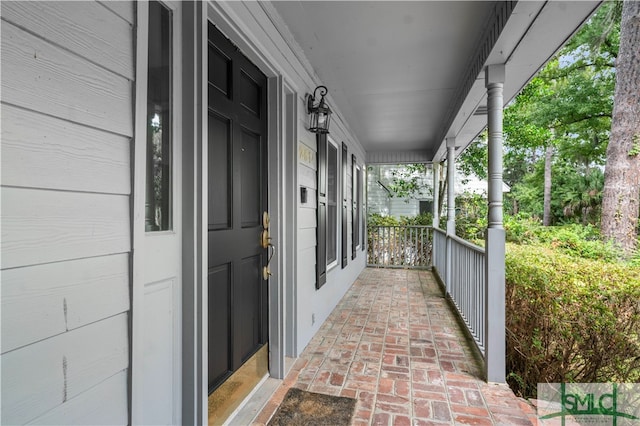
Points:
[(620, 197), (548, 156)]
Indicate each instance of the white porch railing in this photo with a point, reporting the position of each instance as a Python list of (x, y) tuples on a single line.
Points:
[(399, 246), (440, 251), (464, 280)]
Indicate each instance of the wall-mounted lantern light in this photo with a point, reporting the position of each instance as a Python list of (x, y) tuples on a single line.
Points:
[(320, 113)]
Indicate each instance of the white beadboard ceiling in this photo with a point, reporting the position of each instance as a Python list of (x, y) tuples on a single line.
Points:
[(393, 68)]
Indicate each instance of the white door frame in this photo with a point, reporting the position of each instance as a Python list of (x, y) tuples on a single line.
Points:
[(194, 191)]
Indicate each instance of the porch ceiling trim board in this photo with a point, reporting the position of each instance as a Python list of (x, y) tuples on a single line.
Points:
[(398, 157), (529, 39)]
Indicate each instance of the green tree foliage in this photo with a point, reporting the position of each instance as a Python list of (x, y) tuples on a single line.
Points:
[(406, 180), (567, 106)]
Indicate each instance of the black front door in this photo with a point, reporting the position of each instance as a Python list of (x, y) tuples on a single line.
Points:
[(237, 198)]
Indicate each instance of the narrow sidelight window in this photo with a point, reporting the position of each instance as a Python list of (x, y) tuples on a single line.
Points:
[(159, 97)]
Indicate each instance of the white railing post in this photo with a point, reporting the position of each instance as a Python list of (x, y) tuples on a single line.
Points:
[(435, 168), (495, 345)]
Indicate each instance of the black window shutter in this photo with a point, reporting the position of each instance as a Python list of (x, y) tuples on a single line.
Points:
[(355, 223), (363, 211), (345, 207), (321, 229)]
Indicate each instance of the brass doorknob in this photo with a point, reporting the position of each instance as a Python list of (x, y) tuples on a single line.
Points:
[(265, 239)]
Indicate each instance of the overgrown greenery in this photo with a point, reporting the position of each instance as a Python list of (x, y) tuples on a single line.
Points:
[(570, 319), (375, 219)]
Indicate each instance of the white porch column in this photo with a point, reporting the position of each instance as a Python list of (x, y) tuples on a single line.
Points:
[(451, 208), (435, 168), (495, 237), (451, 178)]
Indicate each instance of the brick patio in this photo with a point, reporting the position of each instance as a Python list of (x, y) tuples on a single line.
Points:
[(394, 344)]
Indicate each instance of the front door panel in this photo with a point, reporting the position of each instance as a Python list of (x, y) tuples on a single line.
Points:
[(237, 199)]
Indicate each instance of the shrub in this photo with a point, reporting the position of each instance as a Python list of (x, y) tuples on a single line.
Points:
[(376, 219), (521, 228), (570, 319), (578, 240), (421, 219)]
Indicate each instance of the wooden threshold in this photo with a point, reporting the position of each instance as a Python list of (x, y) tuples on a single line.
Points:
[(224, 400)]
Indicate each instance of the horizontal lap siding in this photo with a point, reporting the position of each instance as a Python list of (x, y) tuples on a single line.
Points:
[(39, 151), (67, 122), (106, 38), (45, 300), (42, 376), (41, 226), (40, 76), (104, 404)]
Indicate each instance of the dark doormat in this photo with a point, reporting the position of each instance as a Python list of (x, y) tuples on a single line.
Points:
[(307, 408)]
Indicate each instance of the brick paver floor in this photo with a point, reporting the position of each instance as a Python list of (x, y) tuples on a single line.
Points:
[(395, 345)]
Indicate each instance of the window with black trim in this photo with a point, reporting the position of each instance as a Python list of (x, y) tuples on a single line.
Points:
[(363, 209), (355, 215), (332, 203)]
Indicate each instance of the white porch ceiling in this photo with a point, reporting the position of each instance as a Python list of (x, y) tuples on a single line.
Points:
[(395, 69)]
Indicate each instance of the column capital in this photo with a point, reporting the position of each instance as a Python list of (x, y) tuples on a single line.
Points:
[(494, 74), (451, 142)]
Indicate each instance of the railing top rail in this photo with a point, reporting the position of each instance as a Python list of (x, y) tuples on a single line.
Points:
[(401, 226), (440, 231), (466, 243)]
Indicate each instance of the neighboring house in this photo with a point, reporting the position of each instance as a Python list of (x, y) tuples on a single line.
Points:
[(167, 216), (381, 198)]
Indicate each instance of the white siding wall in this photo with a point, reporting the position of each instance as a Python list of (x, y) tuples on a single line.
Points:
[(404, 207), (378, 200), (265, 32), (67, 123)]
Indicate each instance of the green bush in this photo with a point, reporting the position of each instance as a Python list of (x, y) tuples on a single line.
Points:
[(421, 219), (574, 239), (521, 228), (376, 219), (570, 319)]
